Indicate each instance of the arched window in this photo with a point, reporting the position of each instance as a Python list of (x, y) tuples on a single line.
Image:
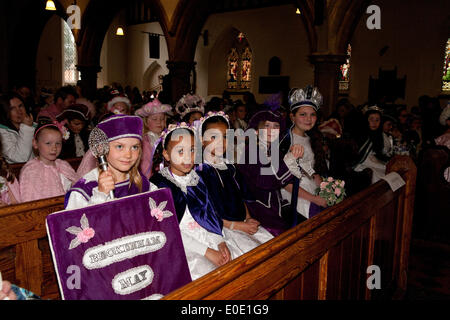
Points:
[(233, 64), (70, 72), (446, 74), (274, 66), (240, 59), (246, 75), (344, 74)]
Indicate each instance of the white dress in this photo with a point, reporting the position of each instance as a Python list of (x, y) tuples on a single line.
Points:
[(307, 183), (372, 162), (196, 239)]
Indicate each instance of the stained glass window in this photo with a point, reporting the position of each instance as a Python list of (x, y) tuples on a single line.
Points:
[(246, 76), (344, 74), (240, 58), (71, 74), (446, 73), (233, 63)]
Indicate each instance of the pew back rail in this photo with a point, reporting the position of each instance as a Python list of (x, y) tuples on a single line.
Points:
[(326, 257)]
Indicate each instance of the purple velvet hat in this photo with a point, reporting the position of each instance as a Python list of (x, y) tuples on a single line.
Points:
[(122, 126), (266, 115)]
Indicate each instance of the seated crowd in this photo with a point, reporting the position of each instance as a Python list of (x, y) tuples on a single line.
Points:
[(152, 145)]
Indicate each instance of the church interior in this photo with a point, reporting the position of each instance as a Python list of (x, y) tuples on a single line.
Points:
[(393, 54)]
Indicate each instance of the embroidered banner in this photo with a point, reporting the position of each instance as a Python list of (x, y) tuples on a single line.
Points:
[(126, 249)]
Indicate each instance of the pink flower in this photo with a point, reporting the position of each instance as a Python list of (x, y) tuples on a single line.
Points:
[(323, 185), (337, 192), (158, 214), (85, 235), (193, 225), (342, 184), (330, 179)]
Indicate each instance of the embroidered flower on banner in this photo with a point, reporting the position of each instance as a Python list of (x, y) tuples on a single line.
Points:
[(158, 211), (83, 234)]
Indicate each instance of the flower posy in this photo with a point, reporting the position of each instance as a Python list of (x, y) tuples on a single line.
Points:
[(332, 190)]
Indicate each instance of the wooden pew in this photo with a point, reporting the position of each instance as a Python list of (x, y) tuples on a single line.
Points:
[(25, 257), (323, 258), (327, 256)]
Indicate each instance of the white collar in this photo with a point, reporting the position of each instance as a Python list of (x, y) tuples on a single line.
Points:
[(189, 180)]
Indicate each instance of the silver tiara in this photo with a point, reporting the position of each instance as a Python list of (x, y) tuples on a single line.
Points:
[(309, 96)]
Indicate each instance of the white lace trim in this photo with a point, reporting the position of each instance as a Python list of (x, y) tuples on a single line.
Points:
[(219, 166), (292, 165), (190, 180)]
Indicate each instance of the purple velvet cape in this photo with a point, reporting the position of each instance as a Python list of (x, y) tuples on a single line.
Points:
[(121, 190), (266, 190), (229, 198), (198, 201), (111, 221)]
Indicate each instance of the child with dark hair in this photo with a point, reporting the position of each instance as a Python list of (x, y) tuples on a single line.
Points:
[(372, 151), (190, 108), (270, 172), (16, 129), (205, 245), (305, 104), (63, 98), (226, 185), (9, 185), (76, 119)]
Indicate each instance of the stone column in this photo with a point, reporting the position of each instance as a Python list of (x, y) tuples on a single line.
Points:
[(326, 78), (179, 79), (89, 80)]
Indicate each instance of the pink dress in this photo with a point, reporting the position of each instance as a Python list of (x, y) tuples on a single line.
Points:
[(52, 111), (443, 140), (7, 188), (87, 164), (147, 154), (40, 181)]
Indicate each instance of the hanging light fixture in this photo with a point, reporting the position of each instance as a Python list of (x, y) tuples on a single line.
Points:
[(298, 11), (50, 6), (120, 32)]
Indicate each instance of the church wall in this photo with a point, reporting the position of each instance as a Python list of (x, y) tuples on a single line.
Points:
[(415, 32), (267, 36), (49, 57), (126, 59)]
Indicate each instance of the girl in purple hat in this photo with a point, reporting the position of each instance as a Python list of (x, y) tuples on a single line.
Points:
[(270, 172), (123, 177)]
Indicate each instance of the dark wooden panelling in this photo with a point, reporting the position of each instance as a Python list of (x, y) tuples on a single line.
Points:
[(310, 282)]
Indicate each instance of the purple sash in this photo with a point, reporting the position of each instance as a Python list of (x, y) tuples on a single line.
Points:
[(126, 249)]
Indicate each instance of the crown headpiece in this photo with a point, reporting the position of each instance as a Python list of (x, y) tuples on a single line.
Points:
[(374, 108), (309, 96), (190, 103), (172, 127), (211, 114)]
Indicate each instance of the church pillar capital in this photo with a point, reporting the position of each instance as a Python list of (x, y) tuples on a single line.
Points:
[(179, 79), (326, 78)]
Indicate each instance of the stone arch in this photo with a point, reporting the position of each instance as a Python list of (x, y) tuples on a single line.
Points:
[(96, 20), (150, 78), (27, 27)]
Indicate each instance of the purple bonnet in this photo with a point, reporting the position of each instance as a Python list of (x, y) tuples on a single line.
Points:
[(122, 126)]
